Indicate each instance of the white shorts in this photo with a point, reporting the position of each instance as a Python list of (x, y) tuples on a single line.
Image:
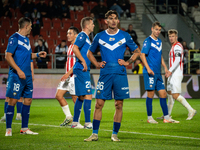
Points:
[(67, 85), (174, 84)]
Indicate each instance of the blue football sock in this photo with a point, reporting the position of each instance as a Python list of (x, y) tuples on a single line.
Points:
[(96, 124), (163, 104), (19, 107), (9, 116), (116, 126), (5, 107), (149, 106), (77, 109), (87, 109), (25, 115)]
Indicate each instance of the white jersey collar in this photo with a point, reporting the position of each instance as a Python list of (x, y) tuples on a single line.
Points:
[(111, 34), (21, 35), (153, 38)]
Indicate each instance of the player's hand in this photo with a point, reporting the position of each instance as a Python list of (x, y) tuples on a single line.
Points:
[(122, 62), (32, 78), (150, 72), (84, 66), (21, 74), (102, 64), (168, 73), (43, 54), (64, 77)]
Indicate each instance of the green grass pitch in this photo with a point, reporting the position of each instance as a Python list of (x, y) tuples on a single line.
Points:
[(135, 133)]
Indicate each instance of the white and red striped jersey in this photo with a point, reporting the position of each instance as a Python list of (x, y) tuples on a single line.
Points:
[(176, 59), (71, 58)]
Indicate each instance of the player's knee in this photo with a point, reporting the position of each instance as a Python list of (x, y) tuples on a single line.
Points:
[(118, 106), (98, 106), (58, 97), (27, 101), (175, 96)]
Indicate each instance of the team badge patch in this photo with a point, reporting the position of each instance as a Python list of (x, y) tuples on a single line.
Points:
[(11, 42), (25, 40), (150, 86), (157, 43), (14, 94), (88, 90), (98, 92), (120, 43)]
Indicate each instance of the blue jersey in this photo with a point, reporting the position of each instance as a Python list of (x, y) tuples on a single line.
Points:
[(20, 47), (83, 43), (153, 51), (112, 48)]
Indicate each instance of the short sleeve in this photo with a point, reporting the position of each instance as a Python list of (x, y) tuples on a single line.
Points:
[(94, 44), (177, 51), (80, 40), (12, 45), (146, 46), (130, 43)]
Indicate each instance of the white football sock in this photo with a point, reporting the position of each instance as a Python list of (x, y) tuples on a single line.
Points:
[(167, 117), (5, 115), (18, 115), (66, 111), (150, 117), (183, 101), (170, 104)]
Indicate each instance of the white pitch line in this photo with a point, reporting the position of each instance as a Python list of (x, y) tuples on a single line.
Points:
[(181, 137)]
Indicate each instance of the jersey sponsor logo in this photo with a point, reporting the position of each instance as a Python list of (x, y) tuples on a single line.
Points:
[(156, 47), (111, 39), (112, 47), (28, 47)]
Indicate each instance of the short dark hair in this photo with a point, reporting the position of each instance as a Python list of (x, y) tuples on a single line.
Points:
[(110, 12), (63, 41), (75, 29), (84, 20), (156, 23), (22, 21)]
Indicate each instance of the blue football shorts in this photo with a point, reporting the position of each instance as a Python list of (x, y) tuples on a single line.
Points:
[(116, 84), (17, 87), (153, 82), (82, 82)]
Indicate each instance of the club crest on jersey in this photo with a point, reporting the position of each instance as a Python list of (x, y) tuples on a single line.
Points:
[(88, 90), (98, 92), (111, 39), (25, 40), (120, 42), (157, 43), (14, 94)]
